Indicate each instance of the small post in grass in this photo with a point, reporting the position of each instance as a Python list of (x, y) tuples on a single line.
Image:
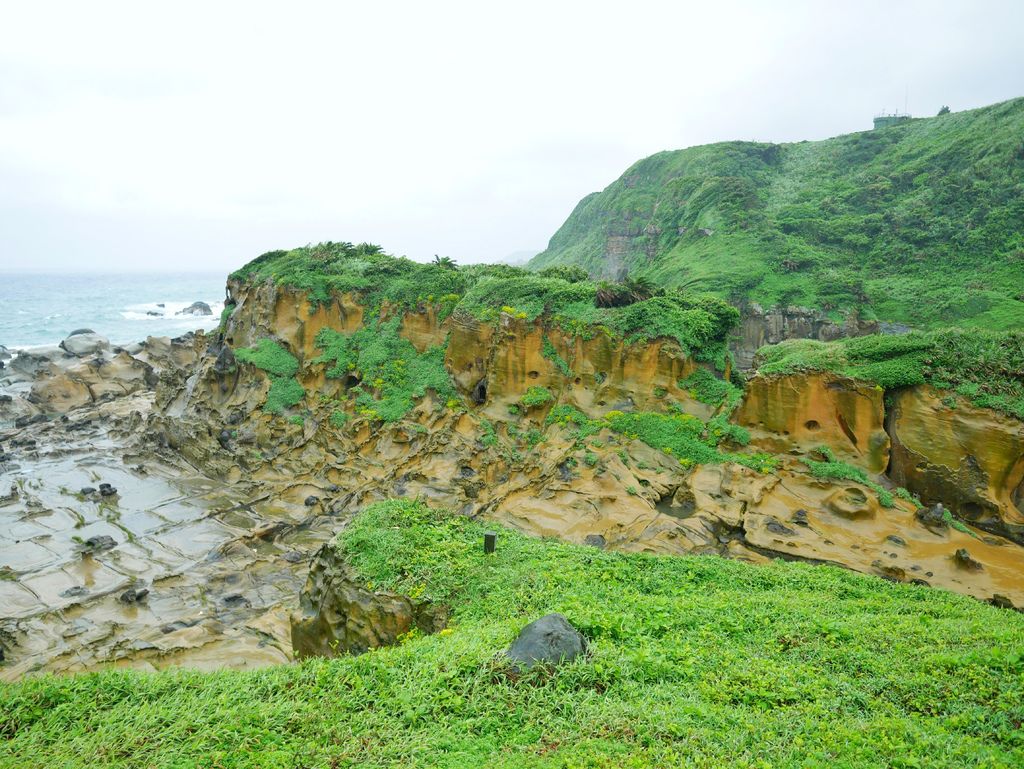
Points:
[(490, 540)]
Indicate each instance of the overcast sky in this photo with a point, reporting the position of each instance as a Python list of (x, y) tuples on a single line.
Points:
[(194, 136)]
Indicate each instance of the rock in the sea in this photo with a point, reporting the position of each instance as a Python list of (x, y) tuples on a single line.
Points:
[(549, 640), (85, 341), (339, 615), (196, 308)]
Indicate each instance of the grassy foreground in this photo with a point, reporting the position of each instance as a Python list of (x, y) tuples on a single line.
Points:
[(695, 661)]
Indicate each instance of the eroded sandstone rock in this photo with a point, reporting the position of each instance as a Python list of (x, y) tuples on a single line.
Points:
[(338, 614), (802, 411), (971, 459)]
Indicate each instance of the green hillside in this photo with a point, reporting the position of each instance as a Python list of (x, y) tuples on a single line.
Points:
[(693, 661), (921, 223)]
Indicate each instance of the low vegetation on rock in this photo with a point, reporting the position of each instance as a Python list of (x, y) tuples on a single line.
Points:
[(986, 367), (692, 660), (560, 298), (281, 366)]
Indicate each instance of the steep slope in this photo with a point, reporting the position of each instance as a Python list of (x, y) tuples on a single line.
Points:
[(921, 223)]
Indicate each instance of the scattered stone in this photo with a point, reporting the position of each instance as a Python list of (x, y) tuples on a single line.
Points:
[(75, 592), (312, 500), (106, 490), (294, 556), (236, 599), (800, 518), (196, 308), (550, 640), (85, 491), (594, 540), (224, 439), (101, 542), (5, 398), (154, 313), (963, 559), (896, 540), (133, 595), (921, 582)]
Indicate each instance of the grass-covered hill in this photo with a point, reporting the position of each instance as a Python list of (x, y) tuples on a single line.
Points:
[(921, 223), (693, 661)]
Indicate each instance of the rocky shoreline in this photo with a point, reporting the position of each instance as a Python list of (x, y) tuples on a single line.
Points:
[(155, 514)]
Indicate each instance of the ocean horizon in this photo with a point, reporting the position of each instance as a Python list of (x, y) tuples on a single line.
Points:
[(40, 309)]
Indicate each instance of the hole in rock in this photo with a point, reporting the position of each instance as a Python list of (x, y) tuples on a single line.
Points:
[(577, 380), (533, 374), (480, 392), (351, 381), (812, 425)]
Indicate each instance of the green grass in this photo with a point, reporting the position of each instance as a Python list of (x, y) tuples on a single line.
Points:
[(536, 396), (985, 367), (693, 661), (920, 223), (281, 366)]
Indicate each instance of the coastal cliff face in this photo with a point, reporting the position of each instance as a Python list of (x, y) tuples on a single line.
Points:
[(492, 456), (761, 326), (237, 455)]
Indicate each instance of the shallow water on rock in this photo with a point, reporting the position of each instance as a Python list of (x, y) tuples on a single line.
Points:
[(219, 595)]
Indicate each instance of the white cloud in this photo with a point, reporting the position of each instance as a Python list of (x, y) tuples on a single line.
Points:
[(213, 131)]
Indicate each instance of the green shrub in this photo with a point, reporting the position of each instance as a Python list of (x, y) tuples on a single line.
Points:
[(388, 364), (536, 396)]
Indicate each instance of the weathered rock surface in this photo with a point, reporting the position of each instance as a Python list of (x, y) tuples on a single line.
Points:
[(85, 342), (970, 459), (760, 326), (338, 614), (802, 411)]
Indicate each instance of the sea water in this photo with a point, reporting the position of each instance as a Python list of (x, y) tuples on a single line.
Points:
[(42, 309)]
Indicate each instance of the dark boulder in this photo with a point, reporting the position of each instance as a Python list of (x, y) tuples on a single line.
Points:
[(595, 540), (312, 501), (133, 595), (550, 640), (932, 517), (101, 542)]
